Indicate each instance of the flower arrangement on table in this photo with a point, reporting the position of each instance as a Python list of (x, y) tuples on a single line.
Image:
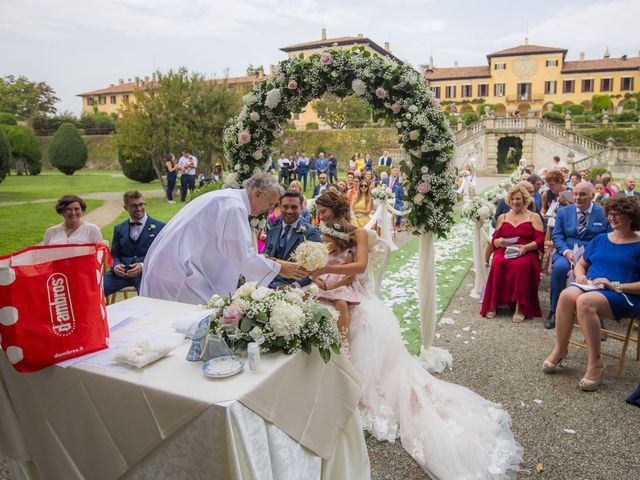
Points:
[(382, 192), (477, 209), (282, 320)]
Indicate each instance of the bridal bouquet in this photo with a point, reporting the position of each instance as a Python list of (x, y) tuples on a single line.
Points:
[(382, 192), (284, 320), (311, 255), (477, 209)]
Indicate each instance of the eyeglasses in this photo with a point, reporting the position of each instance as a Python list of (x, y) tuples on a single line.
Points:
[(136, 205), (615, 215), (365, 186)]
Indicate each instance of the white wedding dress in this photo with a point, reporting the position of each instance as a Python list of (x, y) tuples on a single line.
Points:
[(452, 432)]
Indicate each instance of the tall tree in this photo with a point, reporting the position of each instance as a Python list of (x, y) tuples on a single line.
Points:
[(180, 110), (5, 155), (25, 149), (67, 150), (25, 98), (342, 112)]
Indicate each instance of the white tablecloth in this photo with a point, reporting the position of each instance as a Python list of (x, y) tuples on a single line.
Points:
[(296, 418)]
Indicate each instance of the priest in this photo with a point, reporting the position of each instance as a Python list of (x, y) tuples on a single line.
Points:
[(208, 245)]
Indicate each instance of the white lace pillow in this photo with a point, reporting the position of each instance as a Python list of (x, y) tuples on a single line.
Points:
[(144, 352)]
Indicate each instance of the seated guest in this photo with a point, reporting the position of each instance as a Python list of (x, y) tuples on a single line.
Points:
[(514, 281), (322, 186), (576, 224), (287, 232), (342, 187), (574, 179), (369, 176), (536, 182), (305, 214), (629, 188), (611, 261), (73, 229), (131, 240), (503, 207), (555, 184), (606, 183)]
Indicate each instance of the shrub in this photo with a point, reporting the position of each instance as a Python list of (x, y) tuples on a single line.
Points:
[(556, 108), (25, 149), (7, 119), (583, 119), (628, 105), (600, 102), (469, 117), (138, 168), (553, 116), (622, 137), (573, 109), (99, 123), (67, 150), (625, 117), (594, 172), (5, 156), (312, 126), (210, 187), (382, 168)]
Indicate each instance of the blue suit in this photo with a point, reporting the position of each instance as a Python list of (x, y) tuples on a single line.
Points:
[(398, 191), (125, 251), (304, 231), (565, 236)]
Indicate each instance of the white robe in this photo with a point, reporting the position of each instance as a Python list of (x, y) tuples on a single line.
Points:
[(204, 249)]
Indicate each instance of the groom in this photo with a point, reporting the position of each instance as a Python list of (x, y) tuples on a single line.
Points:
[(286, 233)]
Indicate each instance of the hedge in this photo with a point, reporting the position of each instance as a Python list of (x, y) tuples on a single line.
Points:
[(103, 155), (622, 137)]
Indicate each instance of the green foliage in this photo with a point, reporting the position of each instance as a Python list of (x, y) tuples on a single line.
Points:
[(578, 119), (556, 108), (342, 112), (312, 126), (630, 105), (25, 149), (600, 102), (553, 116), (98, 123), (5, 156), (622, 137), (138, 168), (382, 168), (573, 109), (469, 117), (48, 125), (210, 187), (24, 98), (67, 150), (481, 108), (7, 119), (181, 110), (625, 117), (594, 172)]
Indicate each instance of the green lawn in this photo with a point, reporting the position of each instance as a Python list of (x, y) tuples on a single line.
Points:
[(24, 225), (53, 184)]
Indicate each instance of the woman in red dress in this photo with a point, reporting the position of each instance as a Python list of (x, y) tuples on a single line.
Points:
[(514, 281)]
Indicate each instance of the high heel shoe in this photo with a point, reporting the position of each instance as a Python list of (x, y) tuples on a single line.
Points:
[(589, 385), (549, 367)]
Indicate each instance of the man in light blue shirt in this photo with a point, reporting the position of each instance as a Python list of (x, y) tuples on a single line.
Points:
[(187, 165)]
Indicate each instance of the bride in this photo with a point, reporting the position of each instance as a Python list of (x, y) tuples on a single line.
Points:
[(452, 432)]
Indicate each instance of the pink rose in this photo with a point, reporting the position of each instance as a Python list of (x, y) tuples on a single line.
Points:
[(381, 93), (423, 187), (326, 59), (395, 108), (244, 137), (292, 85), (232, 314)]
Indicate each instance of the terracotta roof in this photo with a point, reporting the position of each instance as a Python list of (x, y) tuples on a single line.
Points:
[(526, 50), (329, 42), (129, 87), (603, 64), (456, 73)]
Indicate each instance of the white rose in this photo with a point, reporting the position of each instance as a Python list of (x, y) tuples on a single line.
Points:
[(245, 290), (219, 303), (425, 178), (262, 223), (256, 333), (313, 289), (246, 168), (407, 116), (424, 169), (359, 87), (257, 154), (255, 116), (254, 222), (273, 98), (405, 124), (414, 135), (237, 167), (398, 124), (413, 108), (418, 199), (260, 294)]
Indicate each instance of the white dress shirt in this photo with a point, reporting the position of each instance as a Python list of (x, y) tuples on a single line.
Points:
[(204, 249), (136, 230), (184, 161)]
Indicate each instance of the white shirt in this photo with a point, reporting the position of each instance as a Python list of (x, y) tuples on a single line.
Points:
[(382, 161), (85, 233), (136, 230), (184, 161), (283, 162), (204, 249)]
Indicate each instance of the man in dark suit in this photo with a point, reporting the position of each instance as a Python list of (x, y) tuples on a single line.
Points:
[(322, 186), (630, 188), (333, 168), (393, 182), (576, 224), (131, 240), (385, 160), (286, 233)]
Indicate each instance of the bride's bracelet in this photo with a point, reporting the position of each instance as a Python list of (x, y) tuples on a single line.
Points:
[(617, 287)]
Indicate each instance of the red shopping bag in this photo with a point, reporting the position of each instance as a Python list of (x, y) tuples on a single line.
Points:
[(52, 304)]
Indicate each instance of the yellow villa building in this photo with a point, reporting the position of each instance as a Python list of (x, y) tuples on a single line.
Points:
[(531, 79)]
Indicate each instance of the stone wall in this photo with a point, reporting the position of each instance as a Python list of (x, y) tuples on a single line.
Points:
[(545, 149)]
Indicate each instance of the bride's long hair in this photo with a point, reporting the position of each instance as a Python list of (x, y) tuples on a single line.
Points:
[(338, 205)]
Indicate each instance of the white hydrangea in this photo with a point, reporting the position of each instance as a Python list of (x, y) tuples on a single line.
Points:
[(260, 293), (245, 290), (231, 180), (273, 98), (286, 319), (359, 87)]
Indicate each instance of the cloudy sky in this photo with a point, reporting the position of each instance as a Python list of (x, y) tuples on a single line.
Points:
[(82, 45)]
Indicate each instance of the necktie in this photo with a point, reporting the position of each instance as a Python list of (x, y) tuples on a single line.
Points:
[(392, 182), (283, 240), (582, 222)]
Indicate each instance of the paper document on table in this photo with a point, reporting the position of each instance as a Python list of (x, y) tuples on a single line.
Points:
[(121, 314), (188, 323)]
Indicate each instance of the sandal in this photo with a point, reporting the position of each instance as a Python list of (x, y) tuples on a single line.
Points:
[(491, 315), (517, 318)]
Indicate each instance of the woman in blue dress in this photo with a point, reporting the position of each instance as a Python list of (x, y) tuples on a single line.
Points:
[(611, 262)]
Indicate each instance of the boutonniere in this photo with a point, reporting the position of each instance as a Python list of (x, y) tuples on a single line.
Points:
[(152, 227), (301, 229)]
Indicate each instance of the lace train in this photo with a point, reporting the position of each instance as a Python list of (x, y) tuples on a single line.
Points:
[(452, 432)]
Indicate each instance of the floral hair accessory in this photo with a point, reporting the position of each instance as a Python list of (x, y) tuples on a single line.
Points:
[(334, 232)]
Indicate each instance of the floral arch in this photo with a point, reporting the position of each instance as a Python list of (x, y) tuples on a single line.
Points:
[(396, 91)]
